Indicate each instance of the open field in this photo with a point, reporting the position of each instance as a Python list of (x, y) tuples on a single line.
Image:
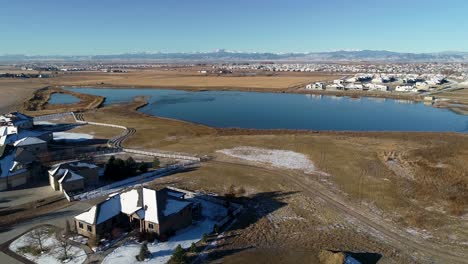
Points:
[(412, 184), (456, 96), (188, 80), (15, 91), (414, 181)]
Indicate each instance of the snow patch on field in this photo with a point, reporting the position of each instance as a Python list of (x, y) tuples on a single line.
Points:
[(160, 252), (53, 254), (284, 159), (68, 136)]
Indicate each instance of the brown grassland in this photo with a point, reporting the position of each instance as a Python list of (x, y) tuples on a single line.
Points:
[(414, 181)]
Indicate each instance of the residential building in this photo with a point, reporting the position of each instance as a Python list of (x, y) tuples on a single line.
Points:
[(160, 211), (315, 86), (73, 176)]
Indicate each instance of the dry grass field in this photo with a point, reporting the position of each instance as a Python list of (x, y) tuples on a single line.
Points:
[(187, 79), (16, 91), (417, 181), (456, 96)]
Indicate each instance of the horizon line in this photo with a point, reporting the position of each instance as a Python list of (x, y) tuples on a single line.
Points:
[(228, 51)]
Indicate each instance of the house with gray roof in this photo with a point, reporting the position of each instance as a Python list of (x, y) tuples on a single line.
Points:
[(162, 212)]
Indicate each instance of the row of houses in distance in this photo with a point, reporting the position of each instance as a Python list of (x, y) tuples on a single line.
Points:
[(372, 82)]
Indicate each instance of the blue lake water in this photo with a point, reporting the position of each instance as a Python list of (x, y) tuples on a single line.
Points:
[(60, 98), (288, 111)]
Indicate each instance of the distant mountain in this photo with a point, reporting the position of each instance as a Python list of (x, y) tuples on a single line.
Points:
[(224, 55)]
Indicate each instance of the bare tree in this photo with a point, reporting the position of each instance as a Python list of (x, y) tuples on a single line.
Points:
[(63, 243), (37, 237)]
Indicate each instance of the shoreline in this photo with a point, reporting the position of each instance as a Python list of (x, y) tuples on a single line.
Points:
[(292, 90), (140, 101), (352, 94)]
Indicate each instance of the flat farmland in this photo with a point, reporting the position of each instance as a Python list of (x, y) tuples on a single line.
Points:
[(190, 79)]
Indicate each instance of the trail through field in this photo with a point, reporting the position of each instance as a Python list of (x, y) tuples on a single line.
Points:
[(393, 236)]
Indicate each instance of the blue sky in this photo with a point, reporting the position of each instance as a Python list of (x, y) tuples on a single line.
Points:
[(107, 27)]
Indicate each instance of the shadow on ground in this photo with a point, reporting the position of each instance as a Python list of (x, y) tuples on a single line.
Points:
[(256, 207)]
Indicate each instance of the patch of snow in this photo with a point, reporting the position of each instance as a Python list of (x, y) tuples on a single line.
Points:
[(160, 252), (284, 159), (53, 254), (68, 136)]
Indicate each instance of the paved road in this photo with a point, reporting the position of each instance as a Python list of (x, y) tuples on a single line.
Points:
[(27, 195), (56, 218), (395, 237)]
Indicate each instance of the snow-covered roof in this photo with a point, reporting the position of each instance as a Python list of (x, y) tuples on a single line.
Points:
[(88, 216), (28, 141), (143, 202), (150, 205), (70, 176), (101, 212), (129, 201)]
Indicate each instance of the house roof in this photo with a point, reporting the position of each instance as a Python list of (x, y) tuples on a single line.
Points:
[(143, 202), (70, 176), (27, 141), (130, 201)]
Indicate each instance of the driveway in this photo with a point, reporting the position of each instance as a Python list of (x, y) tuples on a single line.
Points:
[(56, 218)]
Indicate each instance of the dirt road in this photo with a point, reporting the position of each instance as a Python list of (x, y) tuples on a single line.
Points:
[(394, 237)]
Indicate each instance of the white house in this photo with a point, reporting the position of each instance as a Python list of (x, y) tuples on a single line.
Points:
[(405, 88), (315, 86)]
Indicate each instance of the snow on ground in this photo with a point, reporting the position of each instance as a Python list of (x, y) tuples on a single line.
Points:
[(161, 252), (68, 136), (52, 255), (284, 159)]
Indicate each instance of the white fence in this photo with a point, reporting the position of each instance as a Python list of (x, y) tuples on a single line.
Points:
[(53, 116), (162, 155), (145, 177)]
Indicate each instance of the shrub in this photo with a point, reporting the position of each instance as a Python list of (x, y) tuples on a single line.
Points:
[(179, 256), (144, 252), (156, 163), (143, 167), (29, 249), (204, 238), (193, 248)]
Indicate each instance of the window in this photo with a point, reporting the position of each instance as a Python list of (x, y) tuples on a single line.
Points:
[(80, 225), (90, 228), (150, 226)]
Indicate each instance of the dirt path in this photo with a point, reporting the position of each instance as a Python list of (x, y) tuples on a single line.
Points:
[(400, 240)]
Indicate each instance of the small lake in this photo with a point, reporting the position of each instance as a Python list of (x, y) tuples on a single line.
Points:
[(288, 111), (61, 98)]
